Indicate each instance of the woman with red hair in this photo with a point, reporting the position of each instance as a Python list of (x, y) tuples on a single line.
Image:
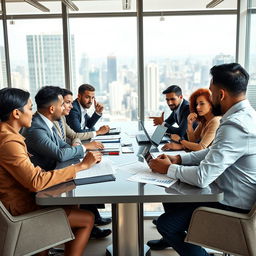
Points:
[(204, 134)]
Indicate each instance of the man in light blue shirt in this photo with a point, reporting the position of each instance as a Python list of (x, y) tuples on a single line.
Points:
[(230, 161)]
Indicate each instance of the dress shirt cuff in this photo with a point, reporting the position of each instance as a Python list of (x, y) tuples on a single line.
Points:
[(163, 124), (84, 148), (186, 159), (99, 114), (172, 171), (94, 134)]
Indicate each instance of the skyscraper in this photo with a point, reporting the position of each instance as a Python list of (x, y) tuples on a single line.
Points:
[(111, 69), (46, 61), (3, 75), (152, 88), (84, 69)]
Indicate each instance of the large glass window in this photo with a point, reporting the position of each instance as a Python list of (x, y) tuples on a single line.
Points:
[(251, 93), (3, 77), (36, 53), (180, 50), (106, 57)]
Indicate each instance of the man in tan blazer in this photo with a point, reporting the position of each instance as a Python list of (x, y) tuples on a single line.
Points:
[(67, 134)]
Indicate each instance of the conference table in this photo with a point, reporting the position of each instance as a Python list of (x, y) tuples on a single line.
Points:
[(126, 198)]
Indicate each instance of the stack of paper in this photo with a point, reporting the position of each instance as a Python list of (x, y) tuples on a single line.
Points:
[(108, 138)]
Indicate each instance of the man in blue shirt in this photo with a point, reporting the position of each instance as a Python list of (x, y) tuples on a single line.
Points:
[(230, 161)]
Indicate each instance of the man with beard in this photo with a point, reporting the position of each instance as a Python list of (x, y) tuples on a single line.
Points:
[(230, 161), (180, 111), (78, 119)]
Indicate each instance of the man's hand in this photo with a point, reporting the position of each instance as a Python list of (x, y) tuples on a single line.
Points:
[(98, 107), (158, 120), (175, 137), (90, 159), (160, 164), (172, 146), (94, 145), (103, 130), (175, 159)]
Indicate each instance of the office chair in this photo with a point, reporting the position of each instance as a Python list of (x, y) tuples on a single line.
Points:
[(33, 232), (225, 231)]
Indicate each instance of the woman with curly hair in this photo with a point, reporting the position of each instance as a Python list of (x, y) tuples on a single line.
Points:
[(201, 112)]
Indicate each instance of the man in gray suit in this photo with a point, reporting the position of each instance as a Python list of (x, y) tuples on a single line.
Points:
[(44, 145)]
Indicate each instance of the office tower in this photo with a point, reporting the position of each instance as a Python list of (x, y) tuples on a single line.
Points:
[(3, 75), (46, 61), (152, 89), (94, 79), (222, 58), (116, 92), (111, 69), (84, 69)]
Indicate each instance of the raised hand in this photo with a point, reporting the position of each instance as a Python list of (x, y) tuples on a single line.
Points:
[(158, 120), (98, 107), (103, 130), (91, 158), (160, 164), (94, 145)]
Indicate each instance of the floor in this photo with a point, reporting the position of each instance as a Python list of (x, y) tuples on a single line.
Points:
[(97, 247)]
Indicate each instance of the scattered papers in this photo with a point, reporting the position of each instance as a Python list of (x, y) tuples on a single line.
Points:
[(153, 178)]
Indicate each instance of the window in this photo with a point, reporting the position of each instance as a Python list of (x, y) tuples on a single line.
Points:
[(251, 92), (181, 50), (3, 75), (105, 57), (36, 54)]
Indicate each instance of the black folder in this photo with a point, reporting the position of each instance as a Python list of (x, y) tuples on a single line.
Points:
[(97, 179)]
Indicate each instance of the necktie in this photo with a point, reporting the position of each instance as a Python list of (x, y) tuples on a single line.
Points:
[(86, 117), (55, 135), (62, 129)]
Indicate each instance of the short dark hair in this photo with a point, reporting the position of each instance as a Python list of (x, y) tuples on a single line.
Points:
[(47, 95), (10, 99), (85, 87), (233, 77), (66, 92), (173, 88)]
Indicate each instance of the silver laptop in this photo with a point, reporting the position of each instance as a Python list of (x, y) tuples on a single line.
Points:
[(156, 138)]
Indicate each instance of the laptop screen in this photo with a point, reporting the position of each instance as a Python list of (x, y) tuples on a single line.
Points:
[(158, 134)]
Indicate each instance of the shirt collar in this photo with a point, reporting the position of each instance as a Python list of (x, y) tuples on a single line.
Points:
[(178, 108), (48, 122), (238, 106)]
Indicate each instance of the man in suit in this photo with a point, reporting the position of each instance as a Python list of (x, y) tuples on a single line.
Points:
[(42, 140), (78, 119), (65, 132), (44, 144), (180, 112)]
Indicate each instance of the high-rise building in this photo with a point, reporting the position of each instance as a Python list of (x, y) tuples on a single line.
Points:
[(84, 69), (111, 69), (94, 79), (152, 88), (46, 61)]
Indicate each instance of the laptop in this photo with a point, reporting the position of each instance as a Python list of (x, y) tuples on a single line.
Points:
[(156, 138)]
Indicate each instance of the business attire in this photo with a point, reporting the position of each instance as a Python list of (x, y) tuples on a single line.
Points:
[(65, 132), (79, 120), (230, 163), (45, 146), (19, 178), (178, 116), (205, 132)]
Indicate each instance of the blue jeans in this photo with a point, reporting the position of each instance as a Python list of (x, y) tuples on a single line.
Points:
[(174, 223)]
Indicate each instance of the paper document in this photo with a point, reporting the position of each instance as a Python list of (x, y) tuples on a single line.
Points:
[(111, 145), (103, 168), (153, 178), (108, 137)]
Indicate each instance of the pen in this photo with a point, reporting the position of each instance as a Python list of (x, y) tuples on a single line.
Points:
[(110, 153)]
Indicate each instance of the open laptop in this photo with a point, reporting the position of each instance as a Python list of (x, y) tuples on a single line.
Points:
[(156, 138)]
